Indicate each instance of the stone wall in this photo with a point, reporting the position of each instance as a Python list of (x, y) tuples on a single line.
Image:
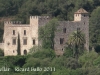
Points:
[(9, 48), (2, 46), (31, 34), (71, 26)]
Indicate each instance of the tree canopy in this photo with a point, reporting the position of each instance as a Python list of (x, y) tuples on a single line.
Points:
[(47, 34), (95, 28), (76, 42)]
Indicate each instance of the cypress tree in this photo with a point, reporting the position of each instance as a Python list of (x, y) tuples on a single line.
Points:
[(18, 45)]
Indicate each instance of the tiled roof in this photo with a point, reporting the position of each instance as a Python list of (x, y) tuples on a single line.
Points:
[(81, 10)]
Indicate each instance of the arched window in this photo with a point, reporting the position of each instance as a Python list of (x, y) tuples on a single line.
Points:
[(25, 52)]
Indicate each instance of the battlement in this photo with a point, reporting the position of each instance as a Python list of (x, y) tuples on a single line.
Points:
[(12, 22), (39, 17)]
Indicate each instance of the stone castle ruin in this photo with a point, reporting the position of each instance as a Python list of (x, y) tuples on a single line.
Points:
[(29, 33)]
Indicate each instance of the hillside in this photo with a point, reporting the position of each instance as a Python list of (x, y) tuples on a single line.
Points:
[(85, 63)]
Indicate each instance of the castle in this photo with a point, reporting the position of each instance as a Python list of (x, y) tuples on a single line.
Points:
[(29, 33)]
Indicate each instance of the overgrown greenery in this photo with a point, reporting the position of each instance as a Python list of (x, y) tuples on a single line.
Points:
[(1, 52), (18, 45), (87, 64), (47, 34), (76, 42), (95, 29)]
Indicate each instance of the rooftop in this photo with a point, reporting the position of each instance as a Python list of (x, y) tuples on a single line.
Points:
[(81, 10)]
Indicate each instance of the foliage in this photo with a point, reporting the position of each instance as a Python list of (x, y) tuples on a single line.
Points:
[(68, 52), (61, 9), (86, 59), (47, 34), (18, 45), (95, 28), (1, 31), (1, 52), (35, 49), (86, 64), (96, 62), (39, 52), (76, 42)]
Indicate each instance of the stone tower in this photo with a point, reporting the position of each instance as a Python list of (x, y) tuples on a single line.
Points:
[(81, 21), (83, 16), (80, 15)]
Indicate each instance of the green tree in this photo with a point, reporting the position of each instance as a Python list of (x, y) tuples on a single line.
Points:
[(18, 45), (1, 31), (88, 59), (1, 52), (95, 28), (76, 41), (42, 53), (68, 52), (47, 34)]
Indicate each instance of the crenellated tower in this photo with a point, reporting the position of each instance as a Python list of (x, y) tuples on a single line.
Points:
[(35, 23)]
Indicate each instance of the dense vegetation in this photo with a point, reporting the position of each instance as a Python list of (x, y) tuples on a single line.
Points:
[(72, 62), (87, 64)]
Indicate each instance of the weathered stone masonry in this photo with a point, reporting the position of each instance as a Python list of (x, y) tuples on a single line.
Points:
[(29, 33)]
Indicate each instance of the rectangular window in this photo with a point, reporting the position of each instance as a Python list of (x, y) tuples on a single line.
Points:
[(14, 41), (34, 42), (13, 32), (61, 40), (24, 32), (64, 30), (24, 41)]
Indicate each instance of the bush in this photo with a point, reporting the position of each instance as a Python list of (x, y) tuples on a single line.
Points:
[(68, 52), (45, 53), (40, 52)]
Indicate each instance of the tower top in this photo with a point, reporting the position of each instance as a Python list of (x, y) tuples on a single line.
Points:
[(81, 11)]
